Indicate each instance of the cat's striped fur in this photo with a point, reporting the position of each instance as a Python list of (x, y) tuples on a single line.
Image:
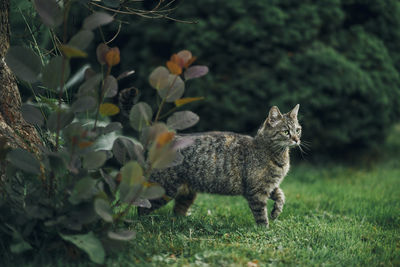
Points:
[(233, 164)]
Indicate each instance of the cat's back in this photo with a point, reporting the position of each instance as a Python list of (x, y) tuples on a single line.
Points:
[(216, 161)]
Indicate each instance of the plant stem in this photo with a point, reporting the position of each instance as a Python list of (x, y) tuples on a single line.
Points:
[(60, 93), (64, 63), (168, 112), (160, 107), (101, 98)]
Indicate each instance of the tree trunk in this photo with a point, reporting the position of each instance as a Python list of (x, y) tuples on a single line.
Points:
[(14, 131)]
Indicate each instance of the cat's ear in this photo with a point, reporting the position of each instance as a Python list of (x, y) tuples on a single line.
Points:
[(293, 113), (274, 116)]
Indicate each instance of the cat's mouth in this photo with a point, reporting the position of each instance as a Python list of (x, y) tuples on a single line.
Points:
[(294, 143)]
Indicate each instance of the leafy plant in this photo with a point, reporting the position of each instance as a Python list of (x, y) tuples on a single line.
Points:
[(73, 192)]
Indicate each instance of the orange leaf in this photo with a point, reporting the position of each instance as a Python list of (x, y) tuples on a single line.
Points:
[(112, 57), (176, 59), (85, 144), (174, 68), (108, 109), (164, 138), (118, 178), (184, 101), (190, 62)]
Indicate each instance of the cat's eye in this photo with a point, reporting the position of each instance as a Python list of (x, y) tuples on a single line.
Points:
[(287, 132), (298, 130)]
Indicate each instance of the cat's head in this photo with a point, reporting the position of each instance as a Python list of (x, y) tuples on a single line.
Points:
[(281, 130)]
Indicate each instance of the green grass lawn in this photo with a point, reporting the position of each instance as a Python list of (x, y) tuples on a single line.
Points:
[(335, 216)]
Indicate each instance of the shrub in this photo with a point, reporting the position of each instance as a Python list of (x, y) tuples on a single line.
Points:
[(338, 59), (78, 192)]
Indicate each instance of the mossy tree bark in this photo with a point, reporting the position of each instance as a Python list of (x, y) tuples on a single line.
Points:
[(14, 130)]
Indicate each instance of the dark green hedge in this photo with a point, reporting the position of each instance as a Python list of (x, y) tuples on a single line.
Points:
[(338, 59)]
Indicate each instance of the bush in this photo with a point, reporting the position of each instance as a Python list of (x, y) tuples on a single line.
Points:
[(338, 59), (77, 192)]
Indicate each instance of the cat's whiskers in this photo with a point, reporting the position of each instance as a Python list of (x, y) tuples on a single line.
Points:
[(306, 145)]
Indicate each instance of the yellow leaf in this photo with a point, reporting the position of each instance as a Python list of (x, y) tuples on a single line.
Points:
[(70, 51), (108, 109), (174, 68), (184, 101), (112, 57), (148, 184)]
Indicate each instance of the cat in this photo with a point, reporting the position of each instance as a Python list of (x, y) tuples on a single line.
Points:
[(233, 164)]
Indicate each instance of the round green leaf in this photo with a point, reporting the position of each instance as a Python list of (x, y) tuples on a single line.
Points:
[(49, 11), (182, 119), (90, 85), (173, 90), (140, 116), (110, 86), (32, 115), (125, 150), (162, 157), (94, 159), (83, 190), (83, 104), (159, 78), (24, 160), (153, 192), (112, 127), (52, 72), (132, 179), (20, 247), (132, 173), (103, 209), (123, 235), (24, 63), (66, 117), (195, 72), (143, 203), (82, 39), (97, 19), (88, 243)]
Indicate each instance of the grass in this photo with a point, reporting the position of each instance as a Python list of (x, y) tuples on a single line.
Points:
[(334, 216)]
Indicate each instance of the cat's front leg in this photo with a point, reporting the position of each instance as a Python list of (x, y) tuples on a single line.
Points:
[(278, 196), (258, 205)]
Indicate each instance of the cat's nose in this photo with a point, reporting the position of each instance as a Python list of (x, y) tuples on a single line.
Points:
[(296, 139)]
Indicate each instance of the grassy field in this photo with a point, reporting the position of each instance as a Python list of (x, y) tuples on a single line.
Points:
[(334, 216)]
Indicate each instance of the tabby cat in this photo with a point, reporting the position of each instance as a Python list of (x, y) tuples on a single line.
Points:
[(233, 164)]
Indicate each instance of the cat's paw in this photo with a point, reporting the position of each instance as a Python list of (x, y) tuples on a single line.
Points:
[(263, 224), (275, 213), (143, 211)]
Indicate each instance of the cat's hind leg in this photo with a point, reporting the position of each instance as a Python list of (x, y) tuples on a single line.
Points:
[(279, 198), (183, 200)]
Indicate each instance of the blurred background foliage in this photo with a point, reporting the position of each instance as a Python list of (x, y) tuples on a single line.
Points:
[(338, 58)]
